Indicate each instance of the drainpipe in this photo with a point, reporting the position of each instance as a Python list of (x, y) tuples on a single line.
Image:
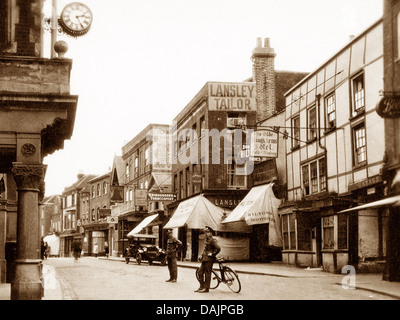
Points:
[(318, 98)]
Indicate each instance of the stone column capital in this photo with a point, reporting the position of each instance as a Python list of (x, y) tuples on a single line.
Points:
[(28, 176)]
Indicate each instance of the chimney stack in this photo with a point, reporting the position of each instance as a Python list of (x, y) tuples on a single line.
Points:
[(263, 58)]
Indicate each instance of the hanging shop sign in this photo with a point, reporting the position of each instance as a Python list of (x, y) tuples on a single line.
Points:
[(112, 220), (264, 144), (389, 107), (140, 198), (161, 196)]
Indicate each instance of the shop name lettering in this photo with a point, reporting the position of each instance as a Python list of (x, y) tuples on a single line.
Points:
[(259, 216), (389, 107), (232, 97), (226, 202), (215, 310)]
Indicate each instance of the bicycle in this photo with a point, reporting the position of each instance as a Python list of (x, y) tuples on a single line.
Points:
[(227, 276)]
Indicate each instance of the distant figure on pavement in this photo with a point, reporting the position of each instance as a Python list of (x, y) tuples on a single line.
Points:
[(207, 258), (96, 250), (106, 250), (173, 245)]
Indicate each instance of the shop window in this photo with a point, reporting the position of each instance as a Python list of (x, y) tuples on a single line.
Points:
[(343, 231), (304, 233), (285, 232), (292, 232), (328, 227), (360, 147), (296, 132)]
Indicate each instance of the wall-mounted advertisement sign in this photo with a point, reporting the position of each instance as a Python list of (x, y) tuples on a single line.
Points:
[(264, 144), (140, 198), (232, 96), (161, 196)]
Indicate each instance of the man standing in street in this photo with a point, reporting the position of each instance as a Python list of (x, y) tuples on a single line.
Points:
[(207, 258), (173, 245)]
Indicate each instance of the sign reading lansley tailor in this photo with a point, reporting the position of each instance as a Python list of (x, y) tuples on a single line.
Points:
[(264, 144), (232, 96)]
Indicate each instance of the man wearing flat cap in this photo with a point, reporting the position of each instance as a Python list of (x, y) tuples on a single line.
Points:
[(207, 258), (173, 245)]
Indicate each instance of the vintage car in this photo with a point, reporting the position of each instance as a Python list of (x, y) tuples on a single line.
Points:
[(143, 247)]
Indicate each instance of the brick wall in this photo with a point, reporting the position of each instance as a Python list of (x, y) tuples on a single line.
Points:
[(20, 27), (264, 76)]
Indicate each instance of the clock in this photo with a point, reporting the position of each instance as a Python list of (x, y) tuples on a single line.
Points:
[(76, 19)]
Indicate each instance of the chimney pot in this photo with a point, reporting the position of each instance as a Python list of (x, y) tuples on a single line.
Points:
[(259, 43), (266, 43)]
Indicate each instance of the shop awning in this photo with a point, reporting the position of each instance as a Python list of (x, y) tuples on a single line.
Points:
[(196, 213), (143, 224), (388, 202), (258, 207)]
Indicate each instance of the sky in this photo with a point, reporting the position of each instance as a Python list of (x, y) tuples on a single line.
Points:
[(143, 61)]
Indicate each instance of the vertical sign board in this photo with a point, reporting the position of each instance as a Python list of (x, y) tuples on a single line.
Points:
[(140, 198), (264, 144)]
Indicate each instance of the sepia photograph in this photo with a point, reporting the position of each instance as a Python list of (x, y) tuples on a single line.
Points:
[(199, 158)]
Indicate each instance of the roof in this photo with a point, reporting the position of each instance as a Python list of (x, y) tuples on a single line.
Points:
[(118, 170), (81, 183)]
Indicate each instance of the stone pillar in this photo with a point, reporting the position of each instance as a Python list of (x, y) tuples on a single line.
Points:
[(27, 284)]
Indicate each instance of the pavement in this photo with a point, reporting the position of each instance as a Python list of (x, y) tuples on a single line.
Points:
[(56, 289)]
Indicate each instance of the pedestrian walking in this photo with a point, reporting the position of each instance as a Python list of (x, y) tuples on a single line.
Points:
[(173, 246), (106, 250), (207, 258), (96, 250)]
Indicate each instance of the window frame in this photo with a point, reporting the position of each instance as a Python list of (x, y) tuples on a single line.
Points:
[(312, 127), (296, 132), (313, 177), (354, 98), (356, 161), (330, 123)]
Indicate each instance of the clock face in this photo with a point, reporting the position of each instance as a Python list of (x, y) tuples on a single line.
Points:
[(76, 19)]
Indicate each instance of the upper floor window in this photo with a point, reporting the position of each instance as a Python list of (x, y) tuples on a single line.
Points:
[(105, 187), (93, 192), (98, 190), (314, 177), (147, 156), (330, 111), (127, 171), (360, 146), (312, 123), (136, 164), (358, 95), (296, 132), (202, 125)]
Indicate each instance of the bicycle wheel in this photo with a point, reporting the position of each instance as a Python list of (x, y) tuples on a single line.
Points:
[(215, 280), (232, 280)]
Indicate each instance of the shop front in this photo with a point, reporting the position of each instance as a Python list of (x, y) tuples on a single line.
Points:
[(192, 215), (259, 211), (96, 235)]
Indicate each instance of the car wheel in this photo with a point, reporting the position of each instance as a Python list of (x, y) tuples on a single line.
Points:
[(138, 258)]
